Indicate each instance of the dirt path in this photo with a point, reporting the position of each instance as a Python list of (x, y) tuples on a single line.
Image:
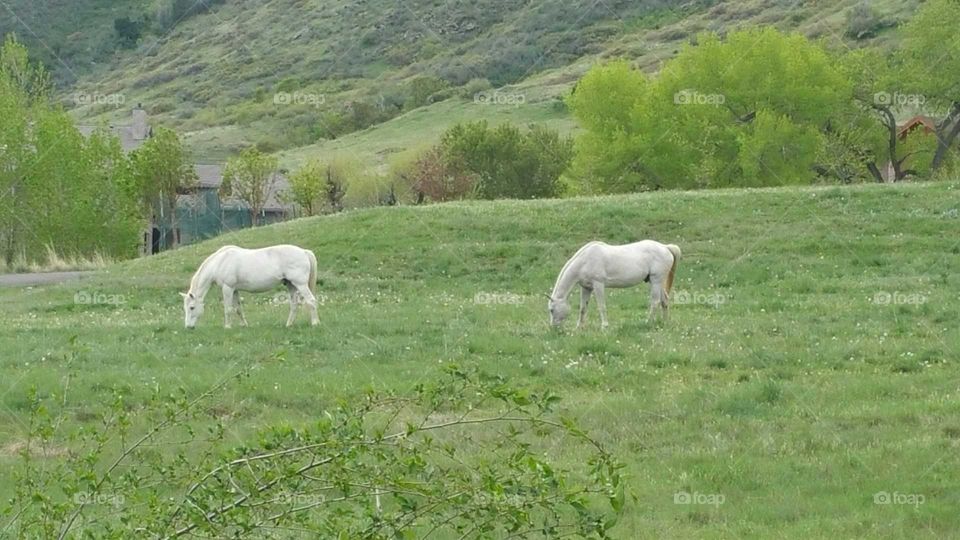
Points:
[(40, 278)]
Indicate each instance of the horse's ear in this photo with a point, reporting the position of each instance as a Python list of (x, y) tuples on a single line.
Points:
[(183, 294), (548, 296)]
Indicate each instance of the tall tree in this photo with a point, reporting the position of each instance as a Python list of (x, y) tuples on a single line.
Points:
[(307, 187), (745, 110), (931, 67), (509, 162), (251, 178), (58, 190), (163, 171)]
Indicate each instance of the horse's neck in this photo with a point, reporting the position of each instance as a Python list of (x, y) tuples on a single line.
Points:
[(567, 279), (203, 279)]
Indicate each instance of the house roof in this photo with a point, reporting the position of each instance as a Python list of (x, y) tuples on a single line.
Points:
[(210, 176), (929, 125)]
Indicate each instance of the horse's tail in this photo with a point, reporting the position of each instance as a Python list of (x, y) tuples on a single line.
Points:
[(312, 281), (675, 251)]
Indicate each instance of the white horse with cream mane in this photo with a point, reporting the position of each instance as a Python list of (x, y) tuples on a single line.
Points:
[(597, 266), (237, 269)]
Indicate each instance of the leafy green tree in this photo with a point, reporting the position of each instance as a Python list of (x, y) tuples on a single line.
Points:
[(508, 162), (930, 67), (603, 102), (863, 135), (779, 148), (59, 191), (883, 98), (705, 120), (336, 183), (163, 171), (336, 176), (251, 178), (307, 187)]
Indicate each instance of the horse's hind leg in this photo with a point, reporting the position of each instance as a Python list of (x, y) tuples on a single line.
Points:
[(294, 302), (665, 303), (311, 301), (236, 301), (600, 292), (584, 300), (656, 296)]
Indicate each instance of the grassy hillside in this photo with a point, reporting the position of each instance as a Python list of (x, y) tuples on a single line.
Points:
[(215, 75), (810, 362), (69, 36)]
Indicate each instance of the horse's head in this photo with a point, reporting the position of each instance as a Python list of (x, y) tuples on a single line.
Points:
[(559, 309), (192, 309)]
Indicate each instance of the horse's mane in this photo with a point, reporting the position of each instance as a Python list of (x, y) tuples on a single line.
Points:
[(193, 280), (570, 261)]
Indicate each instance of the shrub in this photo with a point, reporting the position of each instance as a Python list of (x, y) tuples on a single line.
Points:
[(421, 89), (128, 31), (435, 177), (474, 87), (324, 185), (382, 466), (509, 163), (267, 146), (863, 21)]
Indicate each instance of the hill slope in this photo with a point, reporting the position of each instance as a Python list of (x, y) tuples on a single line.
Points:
[(813, 343), (355, 63)]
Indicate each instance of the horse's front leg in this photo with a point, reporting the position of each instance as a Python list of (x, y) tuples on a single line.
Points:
[(600, 292), (236, 301), (584, 300), (227, 305)]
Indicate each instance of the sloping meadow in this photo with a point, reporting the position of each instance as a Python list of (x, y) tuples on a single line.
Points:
[(805, 384)]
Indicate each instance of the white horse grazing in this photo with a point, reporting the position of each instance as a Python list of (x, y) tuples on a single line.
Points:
[(236, 269), (597, 266)]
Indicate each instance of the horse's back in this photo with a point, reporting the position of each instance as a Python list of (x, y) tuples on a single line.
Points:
[(642, 248), (271, 257), (628, 264)]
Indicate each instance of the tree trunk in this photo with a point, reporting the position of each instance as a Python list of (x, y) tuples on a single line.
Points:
[(174, 228), (875, 172), (890, 122), (946, 135)]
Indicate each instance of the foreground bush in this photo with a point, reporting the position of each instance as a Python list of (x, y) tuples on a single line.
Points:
[(468, 456)]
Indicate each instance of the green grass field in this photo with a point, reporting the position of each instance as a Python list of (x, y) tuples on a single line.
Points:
[(809, 365)]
